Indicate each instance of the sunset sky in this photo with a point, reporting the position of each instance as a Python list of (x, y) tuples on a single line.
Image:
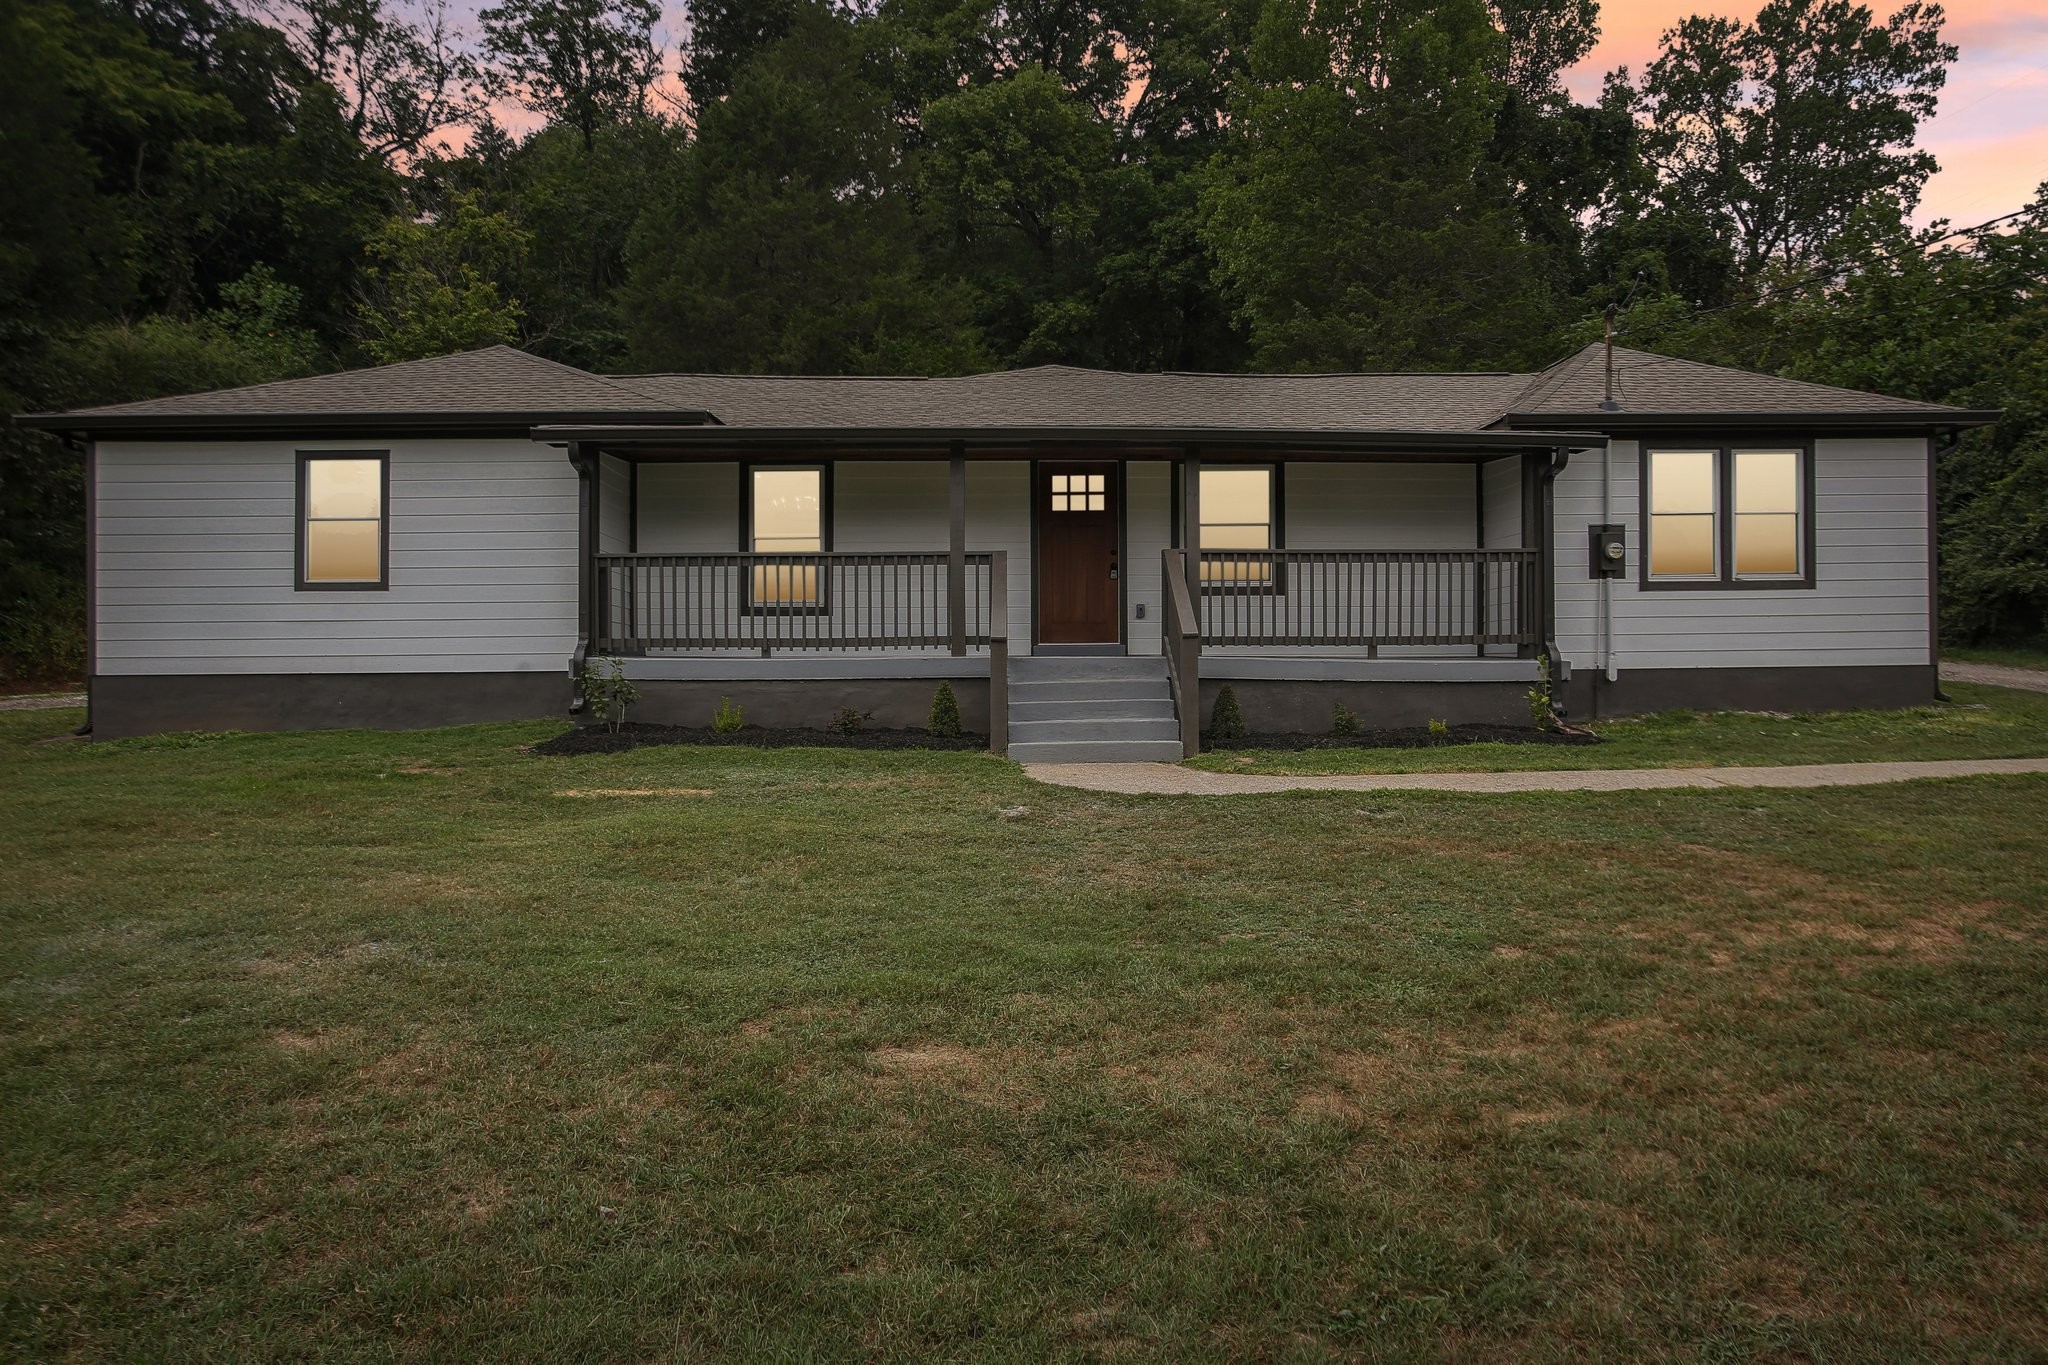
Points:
[(1991, 133)]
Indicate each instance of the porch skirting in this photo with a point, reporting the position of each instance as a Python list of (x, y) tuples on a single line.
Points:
[(1307, 705), (807, 703), (124, 705), (1587, 695)]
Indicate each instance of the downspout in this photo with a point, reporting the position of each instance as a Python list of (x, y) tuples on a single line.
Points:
[(1938, 445), (1608, 670), (1608, 403), (1560, 456)]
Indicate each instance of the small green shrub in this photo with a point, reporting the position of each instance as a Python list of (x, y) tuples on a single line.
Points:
[(728, 719), (1226, 719), (1542, 706), (1439, 728), (848, 720), (607, 692), (944, 722), (1343, 722)]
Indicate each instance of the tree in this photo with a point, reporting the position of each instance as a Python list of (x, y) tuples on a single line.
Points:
[(1777, 132), (1357, 217), (437, 286), (725, 35), (1012, 180), (787, 244), (585, 63), (398, 78)]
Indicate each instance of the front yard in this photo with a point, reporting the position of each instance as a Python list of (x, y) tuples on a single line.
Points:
[(1981, 722), (419, 1046)]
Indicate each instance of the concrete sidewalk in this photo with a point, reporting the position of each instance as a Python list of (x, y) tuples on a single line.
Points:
[(45, 701), (1166, 779), (1995, 675)]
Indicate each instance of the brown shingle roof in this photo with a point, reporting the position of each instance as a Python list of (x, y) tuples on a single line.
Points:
[(1645, 383), (497, 379), (1062, 395), (524, 389)]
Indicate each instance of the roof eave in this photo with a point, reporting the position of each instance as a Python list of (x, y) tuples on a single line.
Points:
[(318, 426), (1752, 421), (904, 438)]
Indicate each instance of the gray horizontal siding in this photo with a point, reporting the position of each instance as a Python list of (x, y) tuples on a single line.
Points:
[(196, 563), (1869, 605)]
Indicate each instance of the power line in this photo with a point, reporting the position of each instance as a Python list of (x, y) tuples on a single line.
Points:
[(1820, 274)]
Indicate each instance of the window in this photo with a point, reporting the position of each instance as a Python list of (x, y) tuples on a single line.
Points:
[(1767, 514), (786, 516), (1728, 516), (1238, 513), (1080, 493), (343, 534), (1684, 520)]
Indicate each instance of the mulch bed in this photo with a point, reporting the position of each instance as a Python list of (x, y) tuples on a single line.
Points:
[(595, 739), (1415, 737)]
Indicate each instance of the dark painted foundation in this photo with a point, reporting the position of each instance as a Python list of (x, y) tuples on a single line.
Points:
[(1588, 695), (808, 703), (1307, 707), (123, 706)]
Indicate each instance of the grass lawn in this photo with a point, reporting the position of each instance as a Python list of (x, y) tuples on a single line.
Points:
[(360, 1046), (2011, 657), (1982, 722)]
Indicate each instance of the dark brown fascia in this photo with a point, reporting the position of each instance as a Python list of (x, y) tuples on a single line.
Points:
[(1912, 423), (320, 426), (943, 439)]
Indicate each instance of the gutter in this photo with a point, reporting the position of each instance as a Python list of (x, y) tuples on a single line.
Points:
[(944, 438), (1913, 423), (314, 426)]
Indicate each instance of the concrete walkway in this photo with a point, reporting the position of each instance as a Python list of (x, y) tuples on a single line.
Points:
[(1165, 779), (1995, 675), (48, 701)]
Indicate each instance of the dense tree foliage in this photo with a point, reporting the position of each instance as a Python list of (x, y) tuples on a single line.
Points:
[(212, 192)]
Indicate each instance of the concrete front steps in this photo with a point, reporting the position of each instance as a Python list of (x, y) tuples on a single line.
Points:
[(1092, 710)]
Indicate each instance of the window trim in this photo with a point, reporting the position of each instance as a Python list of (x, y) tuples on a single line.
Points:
[(1725, 578), (1276, 582), (300, 582), (821, 607)]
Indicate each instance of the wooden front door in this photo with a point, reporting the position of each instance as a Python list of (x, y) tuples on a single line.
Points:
[(1077, 543)]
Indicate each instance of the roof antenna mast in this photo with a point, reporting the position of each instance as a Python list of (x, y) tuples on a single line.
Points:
[(1608, 404)]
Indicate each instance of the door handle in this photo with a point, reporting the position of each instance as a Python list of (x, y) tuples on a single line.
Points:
[(1112, 570)]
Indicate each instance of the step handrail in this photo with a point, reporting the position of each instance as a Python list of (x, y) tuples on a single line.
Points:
[(1181, 642)]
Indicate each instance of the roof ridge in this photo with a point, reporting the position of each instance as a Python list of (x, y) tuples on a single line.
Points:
[(1549, 379), (318, 375), (708, 374), (609, 381)]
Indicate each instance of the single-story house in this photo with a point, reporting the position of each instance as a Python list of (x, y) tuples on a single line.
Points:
[(1086, 556)]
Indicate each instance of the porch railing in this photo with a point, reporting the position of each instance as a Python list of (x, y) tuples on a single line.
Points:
[(1370, 598), (797, 602)]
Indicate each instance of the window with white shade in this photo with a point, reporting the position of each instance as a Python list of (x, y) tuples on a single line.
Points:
[(1728, 516), (787, 518), (1767, 514), (1239, 512), (343, 536), (1685, 517)]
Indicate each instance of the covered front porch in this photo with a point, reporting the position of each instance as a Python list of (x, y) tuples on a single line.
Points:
[(821, 569)]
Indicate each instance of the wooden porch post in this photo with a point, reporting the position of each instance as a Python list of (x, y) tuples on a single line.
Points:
[(585, 466), (1528, 607), (1191, 526), (956, 555)]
